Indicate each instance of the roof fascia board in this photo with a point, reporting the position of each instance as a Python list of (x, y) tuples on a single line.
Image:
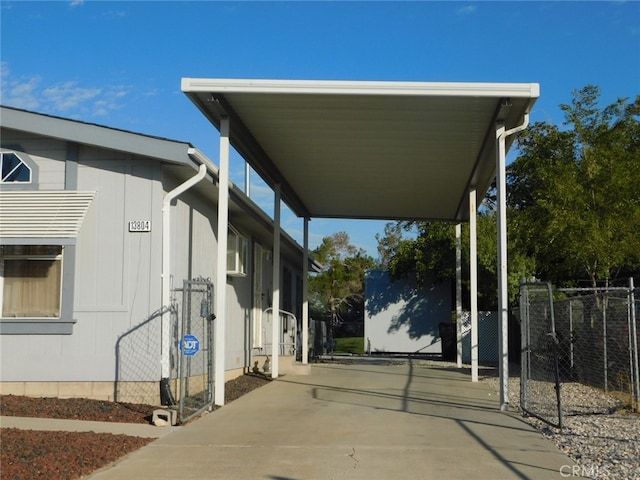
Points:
[(95, 135), (456, 89)]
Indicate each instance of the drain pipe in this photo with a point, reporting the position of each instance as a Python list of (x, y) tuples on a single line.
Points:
[(166, 398), (519, 128), (503, 298)]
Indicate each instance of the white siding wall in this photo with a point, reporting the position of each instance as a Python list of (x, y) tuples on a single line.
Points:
[(238, 321), (401, 318), (193, 239), (118, 272), (50, 173)]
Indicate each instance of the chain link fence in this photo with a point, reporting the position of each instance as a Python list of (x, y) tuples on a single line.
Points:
[(579, 351), (139, 353)]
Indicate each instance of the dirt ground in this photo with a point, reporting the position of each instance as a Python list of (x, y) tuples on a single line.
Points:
[(30, 454)]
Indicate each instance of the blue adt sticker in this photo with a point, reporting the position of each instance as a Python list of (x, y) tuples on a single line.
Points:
[(190, 345)]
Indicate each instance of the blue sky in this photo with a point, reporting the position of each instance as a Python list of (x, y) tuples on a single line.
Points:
[(119, 64)]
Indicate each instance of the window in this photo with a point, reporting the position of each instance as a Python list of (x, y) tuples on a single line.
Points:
[(13, 169), (237, 252), (31, 278)]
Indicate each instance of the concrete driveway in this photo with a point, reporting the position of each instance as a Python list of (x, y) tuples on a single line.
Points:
[(356, 421)]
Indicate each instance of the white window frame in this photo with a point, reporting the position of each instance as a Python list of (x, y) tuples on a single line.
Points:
[(23, 163), (237, 253)]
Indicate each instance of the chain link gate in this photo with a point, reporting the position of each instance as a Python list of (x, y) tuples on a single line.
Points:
[(195, 342), (539, 369), (578, 340)]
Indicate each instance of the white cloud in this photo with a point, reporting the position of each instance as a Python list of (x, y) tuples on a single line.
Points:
[(20, 93), (262, 195), (114, 14), (110, 100), (76, 3), (67, 98), (68, 95), (152, 92), (468, 10)]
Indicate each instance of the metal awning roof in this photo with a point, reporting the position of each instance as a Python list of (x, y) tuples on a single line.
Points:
[(370, 150)]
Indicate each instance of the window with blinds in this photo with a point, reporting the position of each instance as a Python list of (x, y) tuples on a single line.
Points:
[(31, 278)]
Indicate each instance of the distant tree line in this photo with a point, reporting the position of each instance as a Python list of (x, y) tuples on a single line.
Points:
[(336, 294)]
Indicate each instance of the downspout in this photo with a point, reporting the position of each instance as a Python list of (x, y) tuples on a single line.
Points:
[(503, 297), (166, 398), (519, 128)]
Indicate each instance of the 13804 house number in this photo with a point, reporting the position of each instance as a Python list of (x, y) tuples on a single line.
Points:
[(140, 226)]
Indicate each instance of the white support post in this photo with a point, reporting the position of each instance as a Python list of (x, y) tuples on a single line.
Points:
[(221, 272), (247, 179), (305, 294), (473, 274), (275, 333), (459, 295), (503, 317)]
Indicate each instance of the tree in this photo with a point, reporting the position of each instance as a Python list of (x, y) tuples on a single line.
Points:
[(339, 288), (573, 194), (430, 253)]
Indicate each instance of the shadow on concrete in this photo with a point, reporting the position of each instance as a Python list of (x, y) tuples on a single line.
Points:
[(448, 399)]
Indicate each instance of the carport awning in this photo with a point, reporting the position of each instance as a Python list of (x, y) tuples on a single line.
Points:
[(370, 150)]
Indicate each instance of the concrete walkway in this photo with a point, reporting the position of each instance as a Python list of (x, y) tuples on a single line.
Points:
[(59, 425), (352, 422)]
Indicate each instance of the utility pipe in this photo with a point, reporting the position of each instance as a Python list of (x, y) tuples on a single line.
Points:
[(166, 266)]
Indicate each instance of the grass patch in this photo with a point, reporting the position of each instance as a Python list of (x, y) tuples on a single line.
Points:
[(350, 345)]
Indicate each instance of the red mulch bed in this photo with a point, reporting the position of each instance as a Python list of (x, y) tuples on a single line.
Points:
[(75, 409), (30, 454)]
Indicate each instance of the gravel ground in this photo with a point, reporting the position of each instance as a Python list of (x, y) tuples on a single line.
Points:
[(598, 434), (30, 454)]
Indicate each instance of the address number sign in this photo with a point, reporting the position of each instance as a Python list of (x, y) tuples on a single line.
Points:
[(140, 226)]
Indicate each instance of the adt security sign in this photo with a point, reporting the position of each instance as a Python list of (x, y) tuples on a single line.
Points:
[(190, 345)]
